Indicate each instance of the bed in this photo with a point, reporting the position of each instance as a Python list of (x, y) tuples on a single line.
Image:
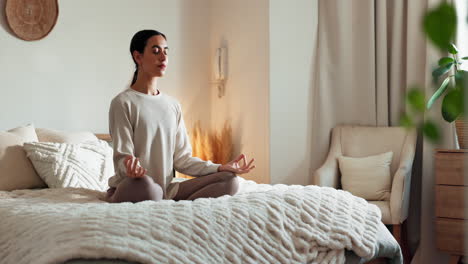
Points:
[(61, 203), (76, 226)]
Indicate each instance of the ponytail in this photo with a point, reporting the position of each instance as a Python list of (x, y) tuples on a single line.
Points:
[(135, 75)]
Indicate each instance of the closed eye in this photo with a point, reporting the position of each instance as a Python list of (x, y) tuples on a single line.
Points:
[(157, 50)]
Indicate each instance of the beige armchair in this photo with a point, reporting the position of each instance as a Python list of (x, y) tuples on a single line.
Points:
[(361, 141)]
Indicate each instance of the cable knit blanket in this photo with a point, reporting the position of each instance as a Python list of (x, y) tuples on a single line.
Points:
[(261, 224)]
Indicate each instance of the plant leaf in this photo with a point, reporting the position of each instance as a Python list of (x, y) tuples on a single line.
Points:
[(452, 105), (459, 77), (465, 58), (440, 25), (452, 49), (445, 60), (439, 92), (431, 131), (406, 121), (442, 70), (415, 99)]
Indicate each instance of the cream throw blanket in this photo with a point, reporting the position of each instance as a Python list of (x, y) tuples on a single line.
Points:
[(261, 224)]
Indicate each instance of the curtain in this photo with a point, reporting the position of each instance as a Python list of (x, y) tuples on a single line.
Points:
[(368, 55)]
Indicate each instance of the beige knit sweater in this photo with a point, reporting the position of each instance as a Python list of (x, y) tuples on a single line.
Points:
[(151, 127)]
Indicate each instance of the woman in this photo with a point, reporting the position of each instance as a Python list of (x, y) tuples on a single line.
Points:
[(150, 139)]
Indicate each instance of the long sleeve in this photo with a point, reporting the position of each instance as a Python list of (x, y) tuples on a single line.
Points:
[(121, 131), (184, 162)]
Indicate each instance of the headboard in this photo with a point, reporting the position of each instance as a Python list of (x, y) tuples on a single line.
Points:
[(105, 137)]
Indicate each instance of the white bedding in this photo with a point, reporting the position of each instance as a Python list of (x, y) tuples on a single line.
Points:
[(261, 224)]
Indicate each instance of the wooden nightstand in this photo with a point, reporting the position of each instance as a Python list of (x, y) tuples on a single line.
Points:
[(451, 193)]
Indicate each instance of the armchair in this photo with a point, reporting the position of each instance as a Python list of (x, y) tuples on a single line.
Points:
[(362, 141)]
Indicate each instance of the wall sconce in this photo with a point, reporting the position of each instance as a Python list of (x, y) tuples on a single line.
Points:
[(220, 70)]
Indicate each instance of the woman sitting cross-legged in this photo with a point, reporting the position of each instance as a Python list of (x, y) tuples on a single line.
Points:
[(150, 139)]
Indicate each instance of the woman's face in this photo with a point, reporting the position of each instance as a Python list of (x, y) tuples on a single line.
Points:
[(153, 61)]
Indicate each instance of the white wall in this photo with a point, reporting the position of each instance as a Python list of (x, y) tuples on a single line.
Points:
[(66, 80), (292, 42), (242, 26)]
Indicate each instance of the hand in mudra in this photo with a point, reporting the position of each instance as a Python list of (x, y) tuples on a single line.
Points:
[(237, 167), (134, 170)]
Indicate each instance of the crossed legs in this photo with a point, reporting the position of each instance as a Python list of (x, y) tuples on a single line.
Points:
[(212, 185), (135, 190), (144, 188)]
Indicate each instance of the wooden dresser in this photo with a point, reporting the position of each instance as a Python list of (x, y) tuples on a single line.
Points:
[(451, 194)]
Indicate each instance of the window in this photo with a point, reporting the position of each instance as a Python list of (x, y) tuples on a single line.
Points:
[(462, 30)]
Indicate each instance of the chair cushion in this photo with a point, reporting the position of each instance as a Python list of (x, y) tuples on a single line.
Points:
[(367, 177), (360, 141), (384, 207), (16, 170)]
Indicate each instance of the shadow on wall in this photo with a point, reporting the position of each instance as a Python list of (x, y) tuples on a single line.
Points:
[(313, 163), (3, 22), (196, 105), (202, 98)]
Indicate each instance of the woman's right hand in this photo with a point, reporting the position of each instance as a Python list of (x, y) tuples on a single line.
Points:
[(134, 170)]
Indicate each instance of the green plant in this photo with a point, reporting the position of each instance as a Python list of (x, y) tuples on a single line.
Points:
[(440, 25), (452, 85)]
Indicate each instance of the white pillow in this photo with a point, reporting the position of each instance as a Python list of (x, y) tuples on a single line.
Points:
[(367, 177), (16, 170), (57, 136), (82, 165)]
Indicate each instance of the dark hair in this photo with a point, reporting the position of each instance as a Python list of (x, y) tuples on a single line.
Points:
[(138, 43)]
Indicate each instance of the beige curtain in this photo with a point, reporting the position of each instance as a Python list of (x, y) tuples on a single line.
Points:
[(369, 53)]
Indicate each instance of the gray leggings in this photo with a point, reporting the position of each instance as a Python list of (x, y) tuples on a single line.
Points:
[(142, 189)]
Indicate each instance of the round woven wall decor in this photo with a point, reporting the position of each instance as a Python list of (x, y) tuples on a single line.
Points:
[(31, 19)]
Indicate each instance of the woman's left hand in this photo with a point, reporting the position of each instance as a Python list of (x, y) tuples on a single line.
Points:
[(236, 167)]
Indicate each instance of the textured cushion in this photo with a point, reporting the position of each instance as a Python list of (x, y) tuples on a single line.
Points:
[(56, 136), (16, 170), (367, 177), (83, 165)]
